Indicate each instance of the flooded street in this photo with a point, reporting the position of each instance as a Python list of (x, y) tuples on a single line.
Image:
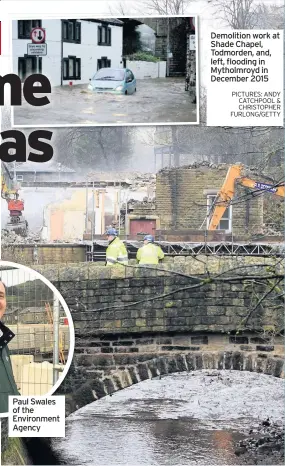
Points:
[(182, 419), (156, 101)]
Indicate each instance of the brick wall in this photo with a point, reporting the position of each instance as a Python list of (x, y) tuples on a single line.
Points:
[(181, 200)]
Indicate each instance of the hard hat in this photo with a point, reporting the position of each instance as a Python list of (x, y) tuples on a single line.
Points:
[(112, 232), (149, 238)]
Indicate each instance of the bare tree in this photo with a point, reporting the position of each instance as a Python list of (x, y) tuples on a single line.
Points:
[(166, 7), (239, 14), (92, 149), (159, 7), (248, 14), (270, 16)]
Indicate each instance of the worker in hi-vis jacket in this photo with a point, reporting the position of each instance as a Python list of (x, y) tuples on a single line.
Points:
[(116, 252), (149, 253)]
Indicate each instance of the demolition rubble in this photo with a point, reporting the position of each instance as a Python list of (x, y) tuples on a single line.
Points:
[(135, 180)]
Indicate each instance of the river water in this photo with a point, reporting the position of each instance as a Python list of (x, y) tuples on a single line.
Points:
[(181, 419)]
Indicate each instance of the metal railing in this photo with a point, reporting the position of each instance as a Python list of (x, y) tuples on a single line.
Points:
[(96, 252)]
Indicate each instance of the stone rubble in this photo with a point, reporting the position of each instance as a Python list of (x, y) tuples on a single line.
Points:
[(136, 180), (264, 445), (9, 238), (253, 172)]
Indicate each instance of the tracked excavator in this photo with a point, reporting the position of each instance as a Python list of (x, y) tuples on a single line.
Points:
[(10, 192), (226, 193)]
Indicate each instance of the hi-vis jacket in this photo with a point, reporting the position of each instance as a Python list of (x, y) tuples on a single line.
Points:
[(150, 254), (116, 253), (7, 381)]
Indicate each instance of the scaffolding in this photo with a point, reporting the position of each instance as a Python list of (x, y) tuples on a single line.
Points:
[(35, 315), (96, 251)]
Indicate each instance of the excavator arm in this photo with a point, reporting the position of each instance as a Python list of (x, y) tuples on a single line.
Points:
[(226, 194), (7, 191), (269, 188), (10, 193), (224, 197)]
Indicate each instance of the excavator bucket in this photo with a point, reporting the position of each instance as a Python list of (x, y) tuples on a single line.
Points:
[(20, 227)]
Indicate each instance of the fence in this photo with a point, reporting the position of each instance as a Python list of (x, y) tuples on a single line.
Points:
[(40, 347)]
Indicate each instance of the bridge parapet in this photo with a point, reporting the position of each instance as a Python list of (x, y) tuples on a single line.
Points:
[(130, 322)]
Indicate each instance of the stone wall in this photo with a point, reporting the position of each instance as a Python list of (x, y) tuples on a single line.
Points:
[(29, 254), (177, 41), (123, 300), (13, 450), (134, 323), (181, 200)]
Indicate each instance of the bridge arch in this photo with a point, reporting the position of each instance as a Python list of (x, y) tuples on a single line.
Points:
[(161, 365), (171, 39)]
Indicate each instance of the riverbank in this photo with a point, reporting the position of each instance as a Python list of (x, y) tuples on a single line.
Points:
[(264, 445)]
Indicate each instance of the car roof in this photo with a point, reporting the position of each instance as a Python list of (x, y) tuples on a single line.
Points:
[(114, 69)]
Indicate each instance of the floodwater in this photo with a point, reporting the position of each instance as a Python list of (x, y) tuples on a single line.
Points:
[(156, 101), (181, 419)]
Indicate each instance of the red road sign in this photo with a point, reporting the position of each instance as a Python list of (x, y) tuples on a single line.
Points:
[(38, 35)]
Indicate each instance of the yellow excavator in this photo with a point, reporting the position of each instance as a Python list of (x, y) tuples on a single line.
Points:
[(226, 193), (10, 192)]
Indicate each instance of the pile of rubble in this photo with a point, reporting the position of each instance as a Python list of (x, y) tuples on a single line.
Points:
[(264, 445), (253, 172), (146, 202), (136, 180), (196, 165), (10, 237)]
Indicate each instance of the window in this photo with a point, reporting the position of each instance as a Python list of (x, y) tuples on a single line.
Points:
[(20, 178), (103, 62), (71, 31), (71, 68), (28, 65), (226, 221), (129, 76), (104, 35), (25, 27)]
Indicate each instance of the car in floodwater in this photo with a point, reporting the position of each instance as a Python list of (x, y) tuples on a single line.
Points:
[(113, 80)]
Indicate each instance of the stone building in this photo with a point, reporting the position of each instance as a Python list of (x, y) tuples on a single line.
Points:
[(185, 194), (171, 40)]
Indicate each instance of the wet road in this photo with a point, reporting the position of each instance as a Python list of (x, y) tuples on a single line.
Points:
[(182, 419), (156, 101)]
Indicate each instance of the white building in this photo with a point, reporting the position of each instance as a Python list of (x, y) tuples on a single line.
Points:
[(76, 49)]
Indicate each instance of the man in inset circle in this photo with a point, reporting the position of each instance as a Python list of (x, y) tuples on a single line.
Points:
[(7, 382)]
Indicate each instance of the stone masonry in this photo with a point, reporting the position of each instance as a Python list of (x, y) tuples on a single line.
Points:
[(178, 28), (181, 200), (136, 323)]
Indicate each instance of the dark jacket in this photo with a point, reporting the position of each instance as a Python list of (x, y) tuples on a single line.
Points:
[(7, 382)]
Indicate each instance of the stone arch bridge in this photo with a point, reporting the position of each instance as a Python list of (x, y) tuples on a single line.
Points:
[(132, 324)]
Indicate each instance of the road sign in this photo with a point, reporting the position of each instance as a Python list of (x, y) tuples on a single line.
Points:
[(38, 50), (192, 42), (38, 35)]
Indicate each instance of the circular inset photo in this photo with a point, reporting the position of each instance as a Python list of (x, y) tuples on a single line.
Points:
[(36, 334)]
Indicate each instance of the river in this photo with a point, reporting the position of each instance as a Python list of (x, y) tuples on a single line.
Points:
[(181, 419)]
